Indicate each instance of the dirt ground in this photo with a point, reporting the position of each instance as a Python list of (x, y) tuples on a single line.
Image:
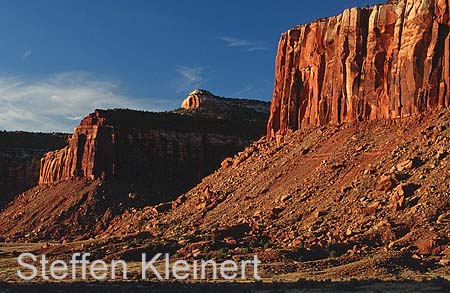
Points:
[(368, 201)]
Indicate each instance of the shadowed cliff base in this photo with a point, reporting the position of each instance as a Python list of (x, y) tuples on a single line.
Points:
[(20, 159)]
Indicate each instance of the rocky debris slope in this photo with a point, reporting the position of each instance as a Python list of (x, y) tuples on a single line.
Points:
[(367, 200), (67, 210), (159, 154), (387, 61), (20, 154), (119, 159)]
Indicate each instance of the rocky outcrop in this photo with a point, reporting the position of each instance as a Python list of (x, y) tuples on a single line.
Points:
[(199, 99), (84, 157), (387, 61), (159, 155), (206, 104), (204, 101), (20, 154)]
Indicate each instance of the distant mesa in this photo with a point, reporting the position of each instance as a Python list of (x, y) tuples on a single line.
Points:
[(168, 152), (122, 158), (198, 99), (206, 104), (204, 100)]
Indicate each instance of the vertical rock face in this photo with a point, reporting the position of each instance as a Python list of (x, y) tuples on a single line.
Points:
[(387, 61), (80, 158), (158, 155), (20, 154), (17, 176)]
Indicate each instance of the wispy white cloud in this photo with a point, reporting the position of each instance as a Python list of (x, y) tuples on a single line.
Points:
[(190, 77), (56, 103), (241, 93), (253, 49), (27, 54), (236, 43)]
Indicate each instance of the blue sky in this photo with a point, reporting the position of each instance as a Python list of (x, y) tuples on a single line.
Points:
[(62, 59)]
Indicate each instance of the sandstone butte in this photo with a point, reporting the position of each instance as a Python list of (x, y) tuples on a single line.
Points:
[(199, 99), (205, 101), (157, 153), (386, 61)]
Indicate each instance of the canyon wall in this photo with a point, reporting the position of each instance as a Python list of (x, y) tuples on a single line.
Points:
[(20, 154), (157, 155), (387, 61)]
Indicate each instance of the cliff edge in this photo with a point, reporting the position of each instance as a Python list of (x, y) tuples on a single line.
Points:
[(159, 154), (387, 61)]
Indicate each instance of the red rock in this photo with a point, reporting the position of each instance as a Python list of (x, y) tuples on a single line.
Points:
[(387, 182), (406, 189), (229, 240), (207, 193), (369, 211), (406, 165), (278, 209), (236, 231), (409, 164), (286, 197), (318, 214), (162, 208), (258, 214), (387, 61), (199, 98), (428, 247), (444, 218), (398, 201), (205, 100), (227, 162), (181, 199), (20, 154), (201, 206), (165, 153)]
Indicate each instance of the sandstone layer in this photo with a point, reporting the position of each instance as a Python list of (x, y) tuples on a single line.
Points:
[(369, 201), (387, 61), (204, 101), (159, 154), (20, 154)]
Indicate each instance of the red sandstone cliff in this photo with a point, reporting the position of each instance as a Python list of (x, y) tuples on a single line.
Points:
[(16, 177), (387, 61), (158, 155), (20, 154)]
